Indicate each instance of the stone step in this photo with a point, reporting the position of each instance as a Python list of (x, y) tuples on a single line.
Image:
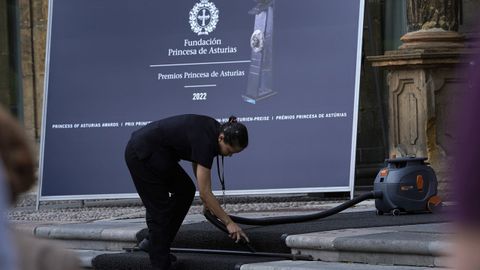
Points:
[(425, 245), (104, 235), (315, 265)]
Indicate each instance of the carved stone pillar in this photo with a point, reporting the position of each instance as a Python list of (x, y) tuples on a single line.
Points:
[(428, 14), (423, 85)]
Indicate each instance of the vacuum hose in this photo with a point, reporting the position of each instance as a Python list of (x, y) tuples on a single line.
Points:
[(291, 219)]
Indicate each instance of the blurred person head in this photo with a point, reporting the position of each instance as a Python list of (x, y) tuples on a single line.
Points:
[(16, 156), (466, 175), (467, 128)]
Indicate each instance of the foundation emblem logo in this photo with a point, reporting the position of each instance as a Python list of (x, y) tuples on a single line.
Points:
[(203, 17)]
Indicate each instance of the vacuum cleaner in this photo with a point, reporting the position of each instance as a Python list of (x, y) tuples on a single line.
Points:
[(408, 185), (404, 185)]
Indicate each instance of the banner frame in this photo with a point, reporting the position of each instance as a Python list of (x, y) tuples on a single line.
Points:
[(350, 188)]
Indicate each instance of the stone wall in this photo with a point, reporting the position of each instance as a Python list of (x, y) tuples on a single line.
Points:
[(4, 56), (371, 129), (33, 30)]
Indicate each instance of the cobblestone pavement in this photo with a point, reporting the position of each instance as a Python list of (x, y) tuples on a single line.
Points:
[(84, 211)]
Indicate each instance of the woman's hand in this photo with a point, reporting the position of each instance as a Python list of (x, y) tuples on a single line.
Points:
[(211, 203), (236, 233)]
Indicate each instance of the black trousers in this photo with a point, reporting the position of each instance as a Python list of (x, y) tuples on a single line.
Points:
[(167, 193)]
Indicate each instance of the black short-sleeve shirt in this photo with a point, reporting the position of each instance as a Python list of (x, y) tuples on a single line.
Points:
[(184, 137)]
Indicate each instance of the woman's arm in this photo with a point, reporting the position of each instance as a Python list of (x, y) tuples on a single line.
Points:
[(203, 176)]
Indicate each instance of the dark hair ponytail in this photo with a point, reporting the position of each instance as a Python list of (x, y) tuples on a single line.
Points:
[(235, 133)]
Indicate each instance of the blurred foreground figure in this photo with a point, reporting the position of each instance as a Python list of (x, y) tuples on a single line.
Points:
[(466, 173), (8, 258), (19, 175)]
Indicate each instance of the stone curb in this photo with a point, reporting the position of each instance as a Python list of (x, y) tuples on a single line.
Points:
[(100, 232), (414, 245), (379, 240), (311, 265)]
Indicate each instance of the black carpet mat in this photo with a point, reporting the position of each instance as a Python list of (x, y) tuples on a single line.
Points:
[(269, 238), (185, 261), (264, 239)]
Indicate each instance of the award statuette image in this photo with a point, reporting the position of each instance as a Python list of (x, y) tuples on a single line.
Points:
[(260, 77)]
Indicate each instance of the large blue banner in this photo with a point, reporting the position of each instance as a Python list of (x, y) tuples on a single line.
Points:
[(288, 69)]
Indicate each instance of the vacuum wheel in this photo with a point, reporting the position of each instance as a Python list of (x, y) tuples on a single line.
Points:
[(379, 212), (434, 204), (396, 212)]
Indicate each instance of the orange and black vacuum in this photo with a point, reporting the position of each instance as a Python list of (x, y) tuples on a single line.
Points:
[(408, 185)]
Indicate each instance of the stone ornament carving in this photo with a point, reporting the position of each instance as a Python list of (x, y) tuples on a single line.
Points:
[(429, 14)]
